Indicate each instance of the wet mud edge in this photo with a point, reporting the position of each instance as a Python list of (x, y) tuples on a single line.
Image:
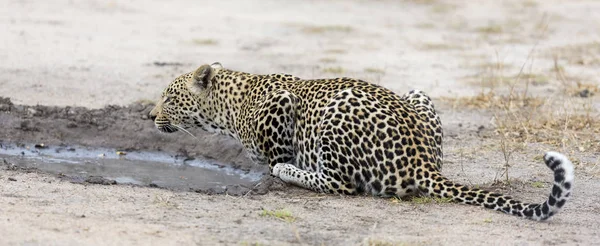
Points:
[(125, 128)]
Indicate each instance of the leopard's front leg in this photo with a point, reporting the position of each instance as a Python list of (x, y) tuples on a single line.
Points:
[(273, 129)]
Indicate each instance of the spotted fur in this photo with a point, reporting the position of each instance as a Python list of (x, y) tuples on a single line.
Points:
[(342, 135)]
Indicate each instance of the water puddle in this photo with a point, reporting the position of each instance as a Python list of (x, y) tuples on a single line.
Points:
[(138, 167)]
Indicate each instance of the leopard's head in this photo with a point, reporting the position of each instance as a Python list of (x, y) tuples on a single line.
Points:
[(189, 101)]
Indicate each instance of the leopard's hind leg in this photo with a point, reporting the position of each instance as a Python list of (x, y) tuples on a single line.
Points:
[(423, 105)]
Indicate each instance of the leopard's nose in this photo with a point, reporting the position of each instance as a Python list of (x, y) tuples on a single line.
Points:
[(151, 116)]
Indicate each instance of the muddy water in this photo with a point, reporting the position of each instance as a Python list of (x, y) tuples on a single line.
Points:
[(140, 168)]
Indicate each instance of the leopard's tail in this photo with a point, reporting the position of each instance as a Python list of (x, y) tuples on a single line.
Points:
[(439, 186)]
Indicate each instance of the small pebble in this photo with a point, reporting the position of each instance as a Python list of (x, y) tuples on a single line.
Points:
[(40, 146), (12, 179)]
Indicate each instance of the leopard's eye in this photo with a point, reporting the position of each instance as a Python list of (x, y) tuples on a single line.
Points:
[(167, 100)]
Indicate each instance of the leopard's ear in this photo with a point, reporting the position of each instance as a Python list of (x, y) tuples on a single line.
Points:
[(216, 65), (201, 79)]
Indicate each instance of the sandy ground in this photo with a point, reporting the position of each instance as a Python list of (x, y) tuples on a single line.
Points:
[(97, 53)]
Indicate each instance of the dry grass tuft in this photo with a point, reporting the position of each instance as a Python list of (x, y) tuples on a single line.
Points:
[(165, 201), (490, 29), (335, 51), (443, 8), (429, 200), (207, 42), (491, 100), (560, 128), (328, 60), (280, 214), (566, 118), (381, 242), (439, 46), (245, 243), (327, 29), (522, 120), (424, 1), (374, 70), (529, 4), (538, 184), (333, 70), (425, 25)]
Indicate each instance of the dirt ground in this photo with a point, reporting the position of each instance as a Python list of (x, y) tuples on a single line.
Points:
[(85, 73)]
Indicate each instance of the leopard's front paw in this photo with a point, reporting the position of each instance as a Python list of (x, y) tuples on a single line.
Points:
[(279, 168)]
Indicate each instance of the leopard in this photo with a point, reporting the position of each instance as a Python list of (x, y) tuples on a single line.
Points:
[(337, 135)]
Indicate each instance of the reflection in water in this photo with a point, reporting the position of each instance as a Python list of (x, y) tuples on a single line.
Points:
[(141, 168)]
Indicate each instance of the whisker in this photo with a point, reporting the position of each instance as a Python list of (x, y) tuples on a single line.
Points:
[(186, 131)]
